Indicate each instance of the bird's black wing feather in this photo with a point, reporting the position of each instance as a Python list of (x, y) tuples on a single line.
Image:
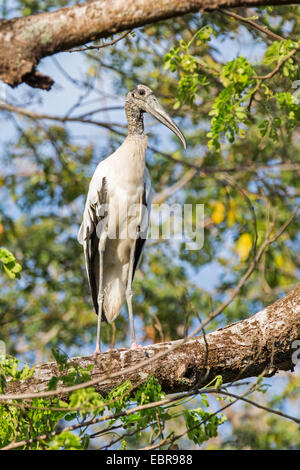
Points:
[(89, 238), (91, 254)]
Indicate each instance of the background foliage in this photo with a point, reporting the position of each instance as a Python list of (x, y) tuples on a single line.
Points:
[(233, 90)]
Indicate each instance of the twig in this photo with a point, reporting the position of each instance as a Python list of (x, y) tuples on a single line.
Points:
[(262, 407), (111, 43), (252, 23), (155, 446), (169, 191), (63, 119), (279, 65)]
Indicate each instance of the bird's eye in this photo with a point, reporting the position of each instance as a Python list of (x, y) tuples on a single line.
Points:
[(142, 92)]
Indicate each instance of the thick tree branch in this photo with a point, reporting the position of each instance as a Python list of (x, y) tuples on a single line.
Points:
[(25, 41), (248, 348)]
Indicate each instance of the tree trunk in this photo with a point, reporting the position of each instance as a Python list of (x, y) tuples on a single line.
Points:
[(266, 342), (25, 41)]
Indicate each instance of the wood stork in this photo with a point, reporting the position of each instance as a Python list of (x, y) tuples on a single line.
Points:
[(116, 214)]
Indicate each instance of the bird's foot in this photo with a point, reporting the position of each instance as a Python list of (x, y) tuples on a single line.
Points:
[(97, 351), (135, 346)]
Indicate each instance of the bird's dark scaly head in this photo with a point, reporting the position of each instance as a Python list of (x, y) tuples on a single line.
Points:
[(141, 98)]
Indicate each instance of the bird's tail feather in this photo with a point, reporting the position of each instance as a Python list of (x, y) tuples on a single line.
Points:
[(114, 294)]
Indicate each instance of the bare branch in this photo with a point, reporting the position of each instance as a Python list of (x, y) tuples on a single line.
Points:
[(101, 46), (36, 116), (253, 24), (170, 190)]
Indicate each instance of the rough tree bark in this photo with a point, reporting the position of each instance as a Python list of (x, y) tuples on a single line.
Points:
[(25, 41), (261, 343)]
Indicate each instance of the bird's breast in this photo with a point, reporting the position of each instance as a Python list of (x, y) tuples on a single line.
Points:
[(125, 187), (124, 209)]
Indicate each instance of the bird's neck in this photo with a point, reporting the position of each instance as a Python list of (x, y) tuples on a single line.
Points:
[(135, 119)]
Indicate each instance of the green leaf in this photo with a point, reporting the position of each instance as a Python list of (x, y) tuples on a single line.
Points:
[(9, 264)]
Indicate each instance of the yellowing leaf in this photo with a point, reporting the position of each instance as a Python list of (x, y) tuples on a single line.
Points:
[(243, 246), (91, 71), (279, 260), (218, 213), (290, 267), (231, 216), (157, 269)]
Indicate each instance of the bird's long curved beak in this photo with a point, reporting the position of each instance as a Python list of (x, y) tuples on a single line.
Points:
[(155, 108)]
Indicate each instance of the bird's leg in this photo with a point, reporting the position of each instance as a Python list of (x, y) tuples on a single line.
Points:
[(98, 341), (129, 290), (100, 299), (100, 302), (129, 295)]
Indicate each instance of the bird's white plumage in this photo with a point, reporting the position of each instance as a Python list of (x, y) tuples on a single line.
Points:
[(125, 180)]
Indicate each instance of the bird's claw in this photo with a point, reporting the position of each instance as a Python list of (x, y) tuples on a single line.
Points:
[(96, 352), (135, 346)]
